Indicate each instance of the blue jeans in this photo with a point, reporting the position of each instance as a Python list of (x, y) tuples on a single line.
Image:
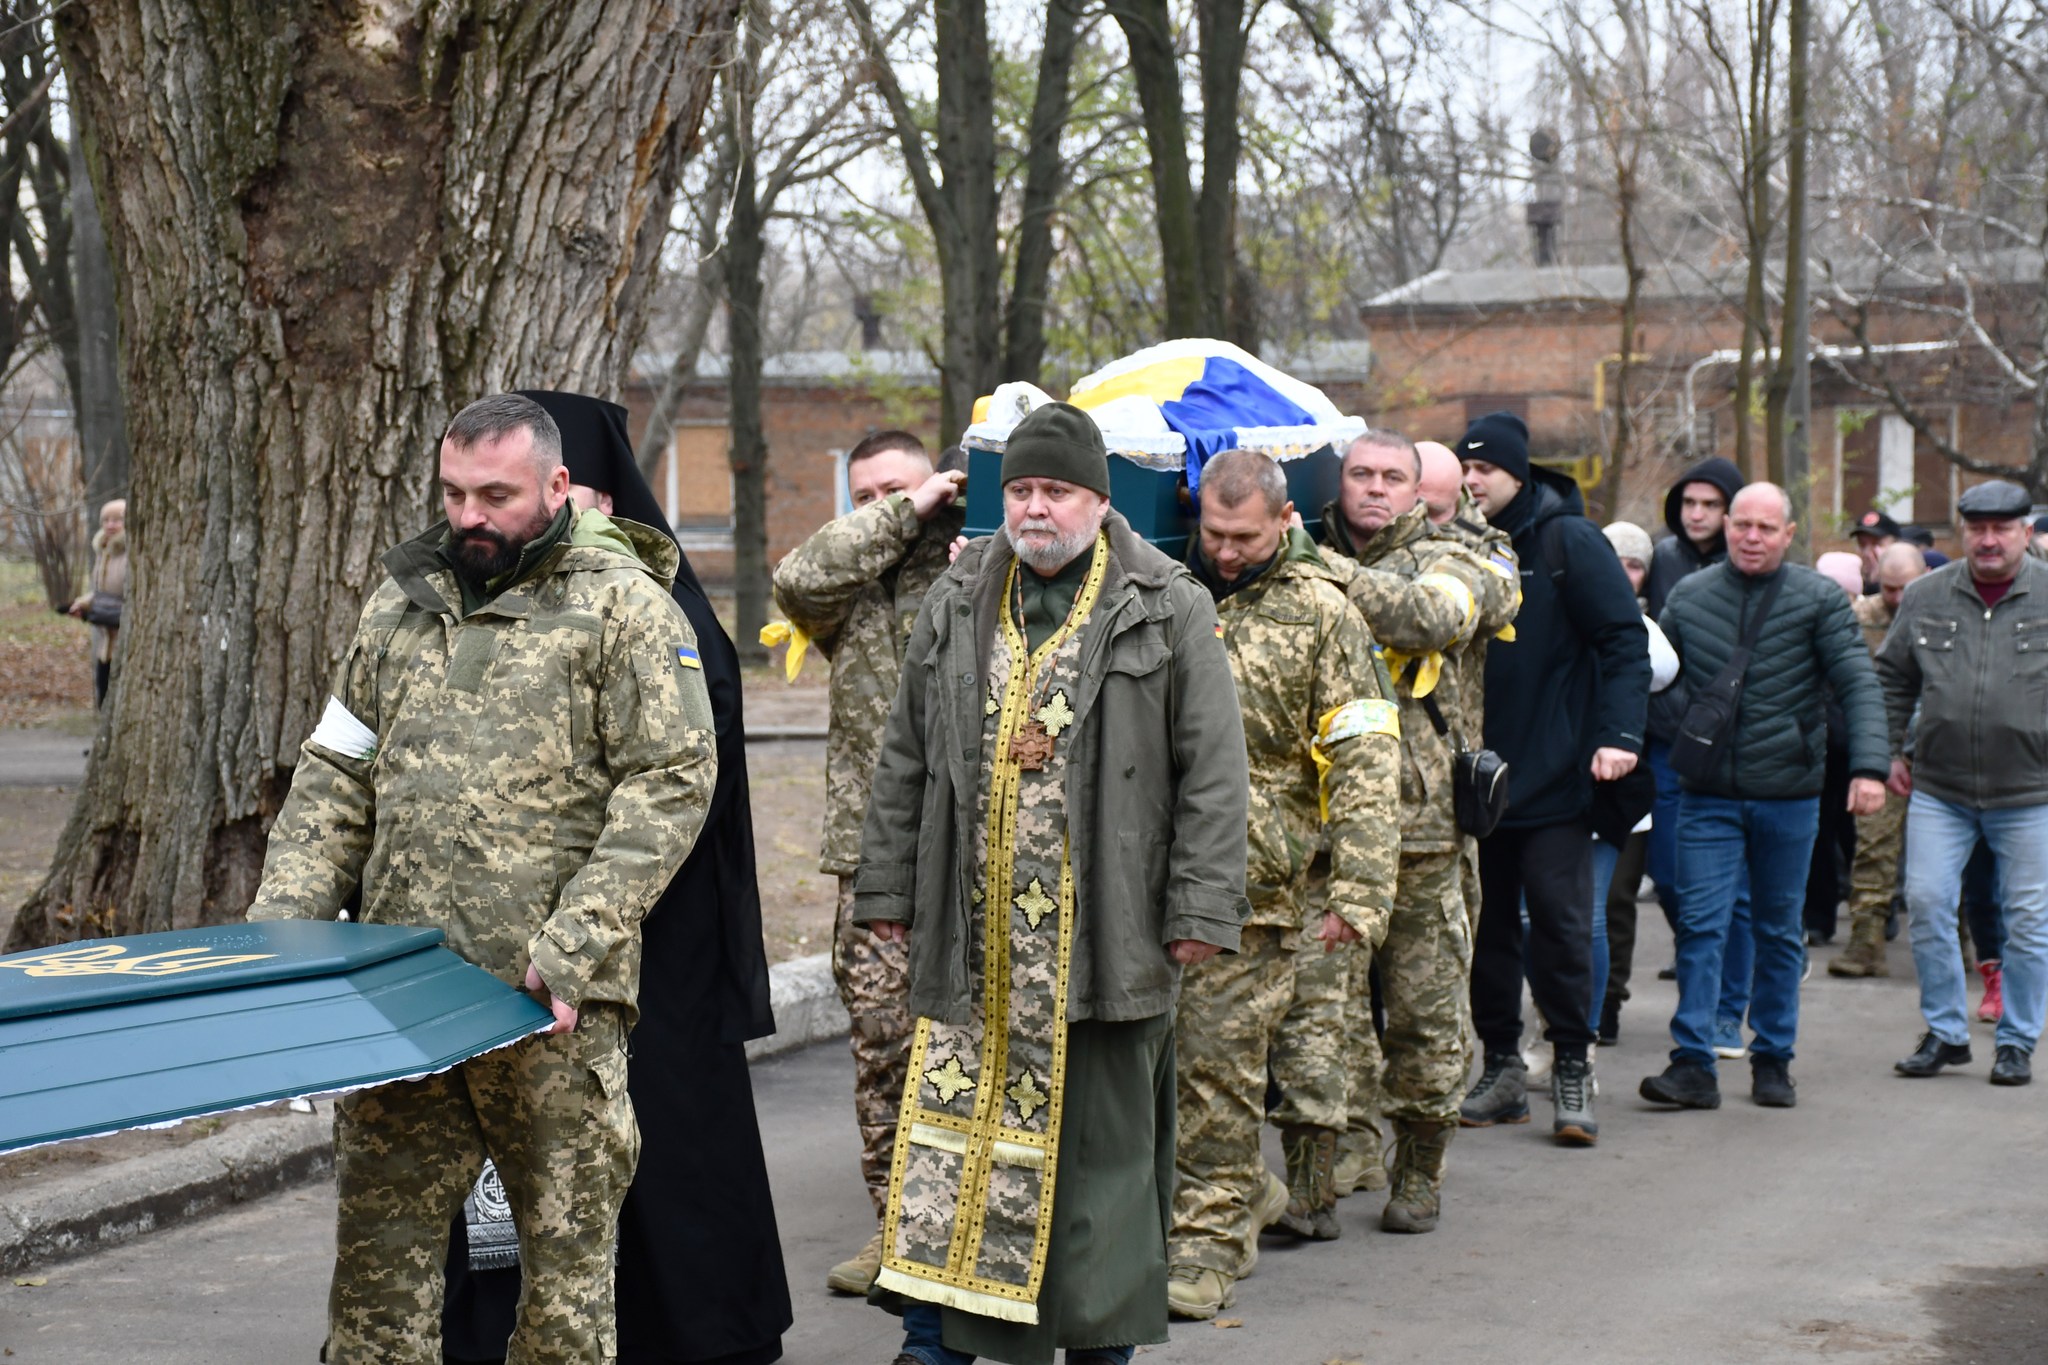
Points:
[(922, 1340), (1605, 856), (1939, 838), (1662, 858), (1716, 837)]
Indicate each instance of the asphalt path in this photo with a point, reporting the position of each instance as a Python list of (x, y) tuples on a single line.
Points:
[(1881, 1220)]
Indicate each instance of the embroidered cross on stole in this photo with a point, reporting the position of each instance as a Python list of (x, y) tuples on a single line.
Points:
[(977, 1142)]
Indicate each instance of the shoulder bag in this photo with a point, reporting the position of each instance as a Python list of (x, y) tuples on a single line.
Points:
[(1709, 722)]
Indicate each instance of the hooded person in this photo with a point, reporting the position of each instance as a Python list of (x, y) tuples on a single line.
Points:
[(1696, 510), (700, 1274)]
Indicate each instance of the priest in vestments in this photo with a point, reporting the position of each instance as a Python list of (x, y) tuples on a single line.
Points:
[(1057, 826)]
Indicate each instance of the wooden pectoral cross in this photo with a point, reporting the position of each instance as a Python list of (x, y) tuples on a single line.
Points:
[(1031, 747)]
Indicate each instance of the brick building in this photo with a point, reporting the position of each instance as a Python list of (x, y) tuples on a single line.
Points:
[(1542, 341)]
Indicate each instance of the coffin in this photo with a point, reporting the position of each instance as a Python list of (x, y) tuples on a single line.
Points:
[(118, 1033)]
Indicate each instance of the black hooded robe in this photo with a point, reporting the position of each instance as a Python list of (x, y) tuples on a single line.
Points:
[(700, 1275)]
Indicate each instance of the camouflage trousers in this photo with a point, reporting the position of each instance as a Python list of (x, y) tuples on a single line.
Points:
[(1417, 1071), (553, 1113), (1874, 873), (874, 984), (1240, 1019)]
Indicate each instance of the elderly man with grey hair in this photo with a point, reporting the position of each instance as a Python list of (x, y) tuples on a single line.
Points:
[(1757, 639)]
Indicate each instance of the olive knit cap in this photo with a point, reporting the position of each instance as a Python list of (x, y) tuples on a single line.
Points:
[(1058, 441)]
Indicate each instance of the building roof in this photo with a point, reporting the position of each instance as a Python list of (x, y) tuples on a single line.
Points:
[(802, 367)]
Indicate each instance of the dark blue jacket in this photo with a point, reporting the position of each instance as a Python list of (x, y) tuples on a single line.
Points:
[(1576, 677)]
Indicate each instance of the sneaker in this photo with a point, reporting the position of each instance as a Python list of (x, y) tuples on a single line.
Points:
[(1931, 1056), (1536, 1060), (1992, 1008), (2015, 1065), (857, 1276), (1197, 1292), (1669, 973), (1501, 1096), (1728, 1040), (1685, 1084), (1770, 1083), (1805, 968), (1571, 1090)]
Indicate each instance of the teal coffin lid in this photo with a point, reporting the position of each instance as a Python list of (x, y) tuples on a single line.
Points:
[(111, 1034)]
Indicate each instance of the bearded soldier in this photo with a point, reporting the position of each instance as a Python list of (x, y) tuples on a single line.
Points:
[(1057, 827), (853, 589), (519, 752), (1427, 598), (1323, 748)]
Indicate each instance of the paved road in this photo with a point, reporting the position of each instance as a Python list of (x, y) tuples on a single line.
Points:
[(1882, 1220), (42, 758)]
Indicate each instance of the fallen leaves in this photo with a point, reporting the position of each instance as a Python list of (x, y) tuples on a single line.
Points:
[(30, 1281), (1227, 1323)]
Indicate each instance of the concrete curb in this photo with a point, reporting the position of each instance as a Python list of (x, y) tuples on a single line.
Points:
[(76, 1215)]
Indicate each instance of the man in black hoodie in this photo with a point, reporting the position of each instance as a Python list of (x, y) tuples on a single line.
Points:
[(1696, 510), (1565, 703)]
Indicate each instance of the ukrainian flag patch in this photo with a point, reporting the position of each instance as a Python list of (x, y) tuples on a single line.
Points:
[(687, 657)]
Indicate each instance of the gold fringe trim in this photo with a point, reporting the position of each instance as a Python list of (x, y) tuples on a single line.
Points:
[(930, 1135), (1016, 1154), (966, 1300)]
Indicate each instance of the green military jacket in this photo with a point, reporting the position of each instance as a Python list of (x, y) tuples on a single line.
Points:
[(1429, 599), (1155, 785), (540, 767), (1303, 661), (854, 587)]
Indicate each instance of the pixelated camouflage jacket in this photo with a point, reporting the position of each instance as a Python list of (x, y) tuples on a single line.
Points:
[(1155, 784), (1471, 529), (541, 769), (854, 587), (1303, 660), (1426, 593)]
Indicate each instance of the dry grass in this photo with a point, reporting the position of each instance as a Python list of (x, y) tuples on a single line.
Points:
[(45, 659)]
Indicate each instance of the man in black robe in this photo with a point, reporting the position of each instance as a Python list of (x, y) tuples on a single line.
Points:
[(700, 1275)]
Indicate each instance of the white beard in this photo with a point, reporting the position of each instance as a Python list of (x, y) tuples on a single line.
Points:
[(1061, 550)]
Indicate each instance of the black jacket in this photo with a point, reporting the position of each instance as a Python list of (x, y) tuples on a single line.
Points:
[(1811, 638), (1675, 556), (1576, 677)]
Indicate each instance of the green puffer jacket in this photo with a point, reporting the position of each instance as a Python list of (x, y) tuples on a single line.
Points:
[(541, 764), (1811, 639), (1156, 785)]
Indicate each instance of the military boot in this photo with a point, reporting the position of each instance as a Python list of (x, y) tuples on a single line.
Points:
[(1198, 1292), (1864, 955), (857, 1276), (1311, 1183), (1417, 1176), (1361, 1162)]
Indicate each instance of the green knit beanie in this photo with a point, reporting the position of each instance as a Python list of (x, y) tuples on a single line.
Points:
[(1058, 441)]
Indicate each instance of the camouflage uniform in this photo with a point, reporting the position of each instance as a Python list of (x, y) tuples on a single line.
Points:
[(854, 587), (1427, 598), (542, 764), (1306, 679), (1880, 842)]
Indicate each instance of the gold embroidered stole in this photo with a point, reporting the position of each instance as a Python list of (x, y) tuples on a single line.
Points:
[(977, 1142)]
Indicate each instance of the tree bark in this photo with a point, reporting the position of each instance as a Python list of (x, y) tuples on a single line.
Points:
[(332, 225), (1228, 293), (1044, 177), (102, 419), (1155, 69), (743, 290)]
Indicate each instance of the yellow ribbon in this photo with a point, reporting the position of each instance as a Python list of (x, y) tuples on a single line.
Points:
[(1428, 668), (785, 632)]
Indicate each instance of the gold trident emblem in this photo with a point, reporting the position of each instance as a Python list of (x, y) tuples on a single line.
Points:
[(111, 959)]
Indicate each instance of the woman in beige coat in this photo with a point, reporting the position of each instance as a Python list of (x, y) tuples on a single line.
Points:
[(100, 604)]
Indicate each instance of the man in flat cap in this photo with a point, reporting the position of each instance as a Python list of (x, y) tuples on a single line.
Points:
[(1969, 649), (1057, 826)]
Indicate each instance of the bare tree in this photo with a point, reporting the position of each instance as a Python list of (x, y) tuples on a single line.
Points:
[(332, 225)]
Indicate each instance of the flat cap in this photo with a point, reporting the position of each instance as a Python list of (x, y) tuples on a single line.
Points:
[(1996, 500), (1875, 523)]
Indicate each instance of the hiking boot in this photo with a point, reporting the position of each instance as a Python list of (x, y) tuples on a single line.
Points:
[(1770, 1083), (1196, 1291), (1311, 1183), (2015, 1065), (1865, 954), (1571, 1091), (857, 1276), (1931, 1056), (1361, 1163), (1267, 1206), (1685, 1084), (1417, 1176), (1501, 1096), (1992, 1009)]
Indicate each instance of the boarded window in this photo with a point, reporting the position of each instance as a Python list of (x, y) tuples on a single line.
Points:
[(694, 481), (1885, 464)]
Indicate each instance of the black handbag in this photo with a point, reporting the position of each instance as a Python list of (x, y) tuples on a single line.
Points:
[(1479, 780), (1709, 722), (104, 610)]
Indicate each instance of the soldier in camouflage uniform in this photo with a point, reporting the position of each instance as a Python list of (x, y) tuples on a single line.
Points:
[(529, 760), (1427, 598), (853, 589), (1469, 527), (1880, 838), (1322, 743)]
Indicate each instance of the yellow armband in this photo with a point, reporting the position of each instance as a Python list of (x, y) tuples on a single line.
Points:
[(786, 632)]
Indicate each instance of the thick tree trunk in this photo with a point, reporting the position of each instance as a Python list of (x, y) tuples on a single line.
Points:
[(1155, 69), (1226, 297), (743, 290), (972, 267), (102, 421), (332, 225), (1044, 177)]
